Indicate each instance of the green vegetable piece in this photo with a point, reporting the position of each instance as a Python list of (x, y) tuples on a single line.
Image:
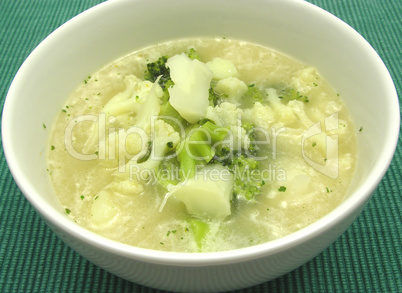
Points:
[(192, 54), (250, 130), (187, 162), (200, 230), (282, 189), (253, 94), (147, 154), (166, 173), (248, 181), (213, 97), (198, 148), (171, 116), (215, 132), (156, 69), (292, 94)]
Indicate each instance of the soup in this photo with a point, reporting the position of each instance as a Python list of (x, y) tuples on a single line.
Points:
[(202, 145)]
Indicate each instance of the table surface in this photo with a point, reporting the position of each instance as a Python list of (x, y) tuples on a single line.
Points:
[(366, 258)]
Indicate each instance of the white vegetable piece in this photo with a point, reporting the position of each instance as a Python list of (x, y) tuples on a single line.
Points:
[(162, 133), (208, 194), (222, 68), (232, 87), (103, 210), (136, 104), (190, 93)]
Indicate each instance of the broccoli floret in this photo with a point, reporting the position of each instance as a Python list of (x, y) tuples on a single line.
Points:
[(248, 181), (251, 133), (291, 94), (213, 97), (156, 69), (192, 54), (253, 94), (247, 177)]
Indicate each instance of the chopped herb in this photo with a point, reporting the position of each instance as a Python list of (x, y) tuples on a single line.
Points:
[(314, 144), (87, 79), (52, 147), (282, 189), (98, 94), (168, 233), (82, 197), (44, 126), (315, 84), (96, 152), (292, 94), (96, 197), (170, 144), (325, 159), (361, 129), (64, 110), (68, 211), (137, 97), (161, 243)]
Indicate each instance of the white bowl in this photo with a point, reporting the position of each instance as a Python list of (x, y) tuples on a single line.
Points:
[(115, 28)]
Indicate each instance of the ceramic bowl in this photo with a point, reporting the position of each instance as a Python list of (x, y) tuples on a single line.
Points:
[(115, 28)]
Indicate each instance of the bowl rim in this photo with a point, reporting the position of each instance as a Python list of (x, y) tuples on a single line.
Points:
[(345, 209)]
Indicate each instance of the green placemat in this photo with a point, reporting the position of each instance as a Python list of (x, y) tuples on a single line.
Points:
[(367, 258)]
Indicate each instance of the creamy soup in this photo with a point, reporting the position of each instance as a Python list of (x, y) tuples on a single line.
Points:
[(202, 145)]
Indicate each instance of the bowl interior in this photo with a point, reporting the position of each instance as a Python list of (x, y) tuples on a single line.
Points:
[(115, 28)]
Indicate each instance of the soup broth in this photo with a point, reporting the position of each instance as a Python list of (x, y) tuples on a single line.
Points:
[(306, 144)]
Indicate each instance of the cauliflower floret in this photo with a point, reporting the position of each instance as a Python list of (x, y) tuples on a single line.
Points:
[(297, 107), (260, 115), (136, 104), (208, 194), (132, 107), (222, 68), (305, 80), (285, 114), (163, 138), (126, 187), (190, 92), (231, 87)]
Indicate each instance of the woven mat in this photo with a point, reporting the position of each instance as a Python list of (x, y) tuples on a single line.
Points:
[(367, 258)]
